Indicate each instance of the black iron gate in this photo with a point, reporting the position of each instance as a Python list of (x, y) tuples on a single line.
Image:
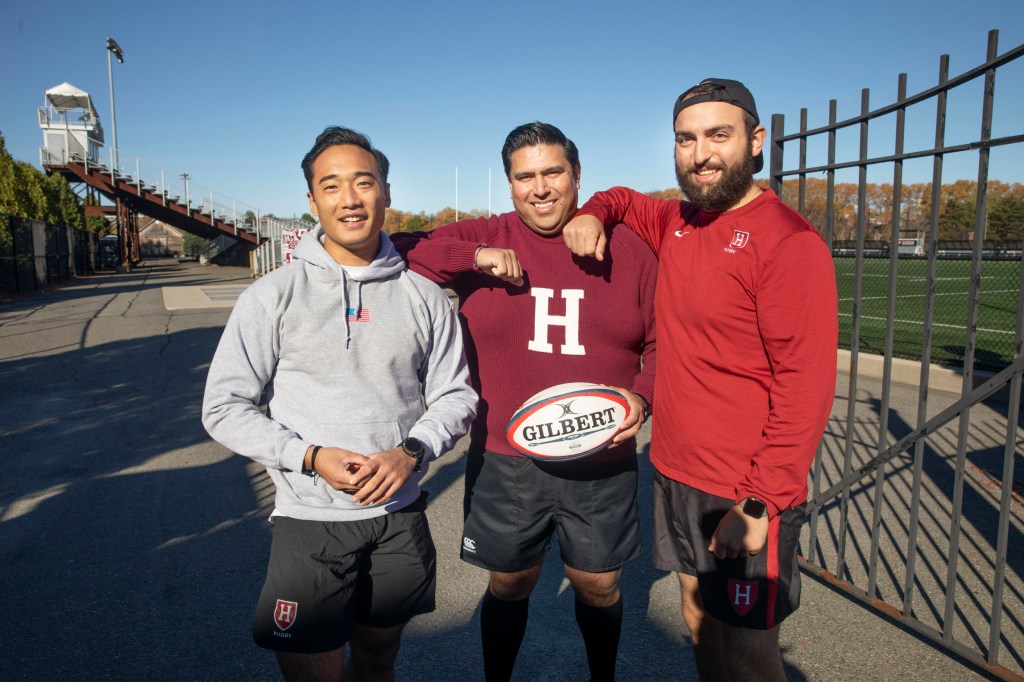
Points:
[(924, 522)]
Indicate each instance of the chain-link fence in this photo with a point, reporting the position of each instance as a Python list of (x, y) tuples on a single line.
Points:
[(997, 302)]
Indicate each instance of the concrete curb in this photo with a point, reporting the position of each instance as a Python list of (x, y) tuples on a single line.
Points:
[(908, 373)]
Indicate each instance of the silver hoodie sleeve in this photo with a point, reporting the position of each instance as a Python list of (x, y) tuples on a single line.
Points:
[(243, 365), (450, 399)]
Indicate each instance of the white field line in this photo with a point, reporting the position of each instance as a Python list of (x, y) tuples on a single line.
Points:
[(948, 293), (934, 324), (906, 278)]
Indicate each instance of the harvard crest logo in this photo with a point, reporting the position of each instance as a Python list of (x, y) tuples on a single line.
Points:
[(285, 613), (742, 595), (739, 239)]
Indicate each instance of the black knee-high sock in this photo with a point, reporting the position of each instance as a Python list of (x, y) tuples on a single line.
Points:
[(502, 627), (601, 627)]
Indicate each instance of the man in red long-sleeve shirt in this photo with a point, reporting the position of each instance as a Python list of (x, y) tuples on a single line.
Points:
[(747, 319), (551, 319)]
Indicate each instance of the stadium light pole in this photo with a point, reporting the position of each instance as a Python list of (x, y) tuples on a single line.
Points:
[(113, 49), (188, 204)]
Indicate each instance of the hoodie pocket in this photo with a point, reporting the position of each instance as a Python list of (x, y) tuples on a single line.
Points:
[(362, 438)]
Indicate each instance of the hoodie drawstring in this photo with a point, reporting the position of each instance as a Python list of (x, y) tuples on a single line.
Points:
[(344, 290)]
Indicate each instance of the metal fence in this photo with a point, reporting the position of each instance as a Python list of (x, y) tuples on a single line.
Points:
[(35, 255), (274, 252), (921, 519)]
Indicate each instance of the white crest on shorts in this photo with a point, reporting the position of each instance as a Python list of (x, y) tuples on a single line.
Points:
[(468, 545), (285, 613)]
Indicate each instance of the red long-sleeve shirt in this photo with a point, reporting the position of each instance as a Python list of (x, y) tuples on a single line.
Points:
[(748, 324), (572, 320)]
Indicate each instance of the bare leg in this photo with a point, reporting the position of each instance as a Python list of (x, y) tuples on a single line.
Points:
[(515, 586), (325, 667), (374, 651), (726, 653), (754, 654), (595, 589), (705, 632)]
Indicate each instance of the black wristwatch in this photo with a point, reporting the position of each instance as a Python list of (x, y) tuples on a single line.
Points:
[(414, 448), (754, 507)]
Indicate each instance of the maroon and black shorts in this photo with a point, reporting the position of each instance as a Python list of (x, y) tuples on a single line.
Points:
[(755, 592)]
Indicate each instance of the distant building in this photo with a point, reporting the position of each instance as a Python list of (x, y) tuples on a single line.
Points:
[(157, 239)]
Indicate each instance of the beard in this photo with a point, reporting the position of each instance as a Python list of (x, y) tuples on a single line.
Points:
[(721, 195)]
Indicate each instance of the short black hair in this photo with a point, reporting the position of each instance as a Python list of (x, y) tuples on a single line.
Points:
[(336, 135), (533, 134)]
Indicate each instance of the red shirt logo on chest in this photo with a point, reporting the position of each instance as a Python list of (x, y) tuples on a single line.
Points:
[(739, 239)]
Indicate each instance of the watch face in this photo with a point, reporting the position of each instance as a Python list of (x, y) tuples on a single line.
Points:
[(754, 507), (413, 447)]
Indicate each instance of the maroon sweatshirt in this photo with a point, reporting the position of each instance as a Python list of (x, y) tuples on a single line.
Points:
[(572, 320)]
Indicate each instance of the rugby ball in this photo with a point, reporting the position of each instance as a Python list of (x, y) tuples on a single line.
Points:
[(567, 421)]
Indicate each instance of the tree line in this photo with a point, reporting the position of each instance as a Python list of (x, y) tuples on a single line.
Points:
[(1004, 209), (1004, 206), (27, 192)]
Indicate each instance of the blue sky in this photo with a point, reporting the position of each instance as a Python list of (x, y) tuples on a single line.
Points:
[(234, 93)]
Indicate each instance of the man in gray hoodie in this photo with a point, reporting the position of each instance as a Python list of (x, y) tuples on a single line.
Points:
[(360, 364)]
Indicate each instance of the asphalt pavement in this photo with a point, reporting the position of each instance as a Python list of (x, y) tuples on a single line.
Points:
[(132, 547)]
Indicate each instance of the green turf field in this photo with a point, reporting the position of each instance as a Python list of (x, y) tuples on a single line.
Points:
[(997, 309)]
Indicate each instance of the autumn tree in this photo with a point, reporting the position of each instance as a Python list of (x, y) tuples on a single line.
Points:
[(414, 223), (1005, 217), (443, 217), (392, 220), (1005, 203)]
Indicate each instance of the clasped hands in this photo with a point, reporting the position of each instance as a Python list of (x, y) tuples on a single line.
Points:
[(372, 479)]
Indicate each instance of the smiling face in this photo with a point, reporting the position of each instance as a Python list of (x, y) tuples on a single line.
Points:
[(349, 198), (545, 187), (715, 156)]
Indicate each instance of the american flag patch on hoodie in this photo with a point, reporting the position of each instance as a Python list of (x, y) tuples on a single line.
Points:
[(362, 316)]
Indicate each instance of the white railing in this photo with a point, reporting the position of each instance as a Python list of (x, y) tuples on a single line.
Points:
[(180, 188)]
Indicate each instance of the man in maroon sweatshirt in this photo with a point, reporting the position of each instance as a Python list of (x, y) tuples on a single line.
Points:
[(747, 319), (548, 318)]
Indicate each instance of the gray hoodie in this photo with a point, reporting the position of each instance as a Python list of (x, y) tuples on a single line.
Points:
[(356, 358)]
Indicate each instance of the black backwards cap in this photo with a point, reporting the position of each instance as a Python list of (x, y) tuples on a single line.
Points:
[(725, 90)]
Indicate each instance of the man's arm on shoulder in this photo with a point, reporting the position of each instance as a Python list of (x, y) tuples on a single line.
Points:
[(242, 366), (643, 214), (442, 254)]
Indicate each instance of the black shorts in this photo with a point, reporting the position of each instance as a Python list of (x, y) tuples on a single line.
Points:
[(755, 592), (325, 577), (513, 505)]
